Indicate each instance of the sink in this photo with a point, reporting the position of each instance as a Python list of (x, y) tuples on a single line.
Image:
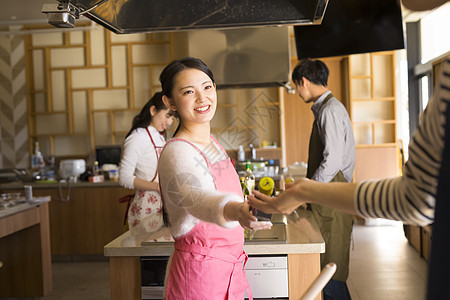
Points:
[(275, 235)]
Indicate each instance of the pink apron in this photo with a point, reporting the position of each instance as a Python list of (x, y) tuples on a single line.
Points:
[(208, 262)]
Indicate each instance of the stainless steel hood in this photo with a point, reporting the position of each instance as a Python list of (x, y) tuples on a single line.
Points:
[(132, 16), (243, 57)]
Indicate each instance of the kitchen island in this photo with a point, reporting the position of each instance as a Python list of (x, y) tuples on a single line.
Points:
[(25, 260), (84, 216), (303, 246)]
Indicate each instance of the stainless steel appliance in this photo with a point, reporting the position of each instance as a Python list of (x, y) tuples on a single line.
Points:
[(268, 277), (153, 270), (170, 15)]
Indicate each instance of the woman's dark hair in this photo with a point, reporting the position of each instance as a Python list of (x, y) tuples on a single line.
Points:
[(167, 77), (144, 118), (315, 71)]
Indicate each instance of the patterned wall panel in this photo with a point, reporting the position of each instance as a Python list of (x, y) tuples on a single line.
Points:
[(13, 103)]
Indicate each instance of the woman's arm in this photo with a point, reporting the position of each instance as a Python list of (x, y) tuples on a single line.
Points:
[(145, 185), (338, 195), (187, 186)]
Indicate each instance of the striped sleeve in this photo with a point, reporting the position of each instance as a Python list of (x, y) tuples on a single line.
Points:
[(411, 197)]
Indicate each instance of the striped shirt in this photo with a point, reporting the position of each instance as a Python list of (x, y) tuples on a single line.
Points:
[(411, 198)]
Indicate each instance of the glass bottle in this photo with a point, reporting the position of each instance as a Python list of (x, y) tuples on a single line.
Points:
[(249, 178), (37, 159), (95, 169), (244, 188), (241, 153), (266, 186)]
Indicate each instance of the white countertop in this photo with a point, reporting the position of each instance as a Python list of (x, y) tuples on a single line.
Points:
[(4, 212), (302, 233)]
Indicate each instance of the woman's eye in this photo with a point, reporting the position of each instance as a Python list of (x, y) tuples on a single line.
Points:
[(208, 87), (187, 92)]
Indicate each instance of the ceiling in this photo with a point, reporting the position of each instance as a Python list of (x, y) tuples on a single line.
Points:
[(22, 12), (18, 12)]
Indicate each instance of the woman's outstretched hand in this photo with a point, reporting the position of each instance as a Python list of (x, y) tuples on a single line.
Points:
[(285, 203)]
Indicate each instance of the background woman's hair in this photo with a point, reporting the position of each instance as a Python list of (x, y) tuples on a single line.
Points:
[(144, 118), (167, 77)]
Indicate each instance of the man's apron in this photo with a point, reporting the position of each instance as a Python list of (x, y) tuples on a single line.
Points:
[(208, 262), (335, 226)]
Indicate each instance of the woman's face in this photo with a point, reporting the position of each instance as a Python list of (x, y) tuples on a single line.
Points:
[(161, 119), (194, 97)]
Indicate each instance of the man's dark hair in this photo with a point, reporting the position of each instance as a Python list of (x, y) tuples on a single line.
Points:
[(315, 71)]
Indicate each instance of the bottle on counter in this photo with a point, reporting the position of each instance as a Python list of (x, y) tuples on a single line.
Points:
[(244, 188), (241, 153), (270, 170), (249, 178), (252, 151), (37, 159), (266, 186), (287, 176), (95, 169)]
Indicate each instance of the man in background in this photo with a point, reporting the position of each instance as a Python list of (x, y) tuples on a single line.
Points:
[(331, 157)]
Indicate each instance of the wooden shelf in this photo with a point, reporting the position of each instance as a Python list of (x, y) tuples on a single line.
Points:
[(378, 106), (375, 99), (375, 122), (362, 146), (373, 114)]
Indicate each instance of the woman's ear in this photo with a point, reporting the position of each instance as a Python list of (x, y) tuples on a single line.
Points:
[(168, 103), (152, 110)]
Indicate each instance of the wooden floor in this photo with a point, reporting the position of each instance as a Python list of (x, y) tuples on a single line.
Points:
[(383, 266)]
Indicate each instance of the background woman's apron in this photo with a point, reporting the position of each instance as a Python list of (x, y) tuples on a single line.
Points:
[(335, 226), (208, 262), (145, 211)]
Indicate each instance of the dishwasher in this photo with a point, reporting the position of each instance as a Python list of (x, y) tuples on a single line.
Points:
[(267, 276)]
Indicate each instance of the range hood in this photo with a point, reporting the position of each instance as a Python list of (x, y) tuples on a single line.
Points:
[(245, 43), (241, 57), (132, 16)]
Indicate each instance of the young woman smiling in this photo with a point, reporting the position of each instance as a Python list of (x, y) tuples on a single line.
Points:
[(201, 193)]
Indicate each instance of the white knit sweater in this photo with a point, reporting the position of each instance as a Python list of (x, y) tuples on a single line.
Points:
[(139, 157), (188, 188)]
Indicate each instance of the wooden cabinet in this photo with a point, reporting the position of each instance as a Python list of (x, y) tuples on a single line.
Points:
[(25, 260), (372, 99), (84, 224)]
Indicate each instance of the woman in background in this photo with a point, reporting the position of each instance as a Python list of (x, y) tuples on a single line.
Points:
[(201, 192), (138, 166)]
